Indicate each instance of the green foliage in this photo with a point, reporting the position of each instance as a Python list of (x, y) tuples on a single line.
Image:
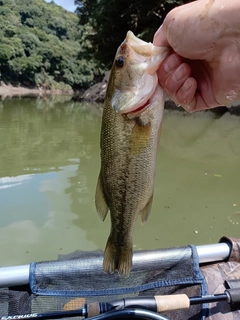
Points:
[(42, 44), (111, 19), (5, 52), (40, 38)]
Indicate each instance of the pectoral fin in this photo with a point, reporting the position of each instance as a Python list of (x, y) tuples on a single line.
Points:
[(146, 210), (100, 202)]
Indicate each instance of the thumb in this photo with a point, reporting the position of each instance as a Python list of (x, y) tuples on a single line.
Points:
[(159, 38)]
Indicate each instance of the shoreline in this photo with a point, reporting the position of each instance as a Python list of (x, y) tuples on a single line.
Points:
[(94, 94), (9, 91)]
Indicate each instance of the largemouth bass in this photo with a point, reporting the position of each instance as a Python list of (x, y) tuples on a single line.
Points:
[(131, 124)]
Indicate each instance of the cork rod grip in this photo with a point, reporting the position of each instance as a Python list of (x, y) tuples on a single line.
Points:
[(174, 302)]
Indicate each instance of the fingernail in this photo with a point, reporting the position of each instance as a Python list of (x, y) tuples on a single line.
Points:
[(187, 85), (171, 63), (180, 72)]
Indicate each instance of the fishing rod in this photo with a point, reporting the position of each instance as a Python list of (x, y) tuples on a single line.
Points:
[(19, 275), (135, 313), (148, 307)]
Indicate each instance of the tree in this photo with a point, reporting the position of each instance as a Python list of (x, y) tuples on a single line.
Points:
[(43, 43), (111, 19)]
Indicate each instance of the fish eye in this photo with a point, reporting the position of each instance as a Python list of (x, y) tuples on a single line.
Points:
[(120, 62)]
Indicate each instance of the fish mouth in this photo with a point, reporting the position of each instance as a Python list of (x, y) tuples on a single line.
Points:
[(135, 41)]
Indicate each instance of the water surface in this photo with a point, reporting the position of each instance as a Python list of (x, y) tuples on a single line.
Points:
[(49, 166)]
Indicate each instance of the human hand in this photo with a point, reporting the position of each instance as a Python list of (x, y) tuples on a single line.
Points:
[(204, 69)]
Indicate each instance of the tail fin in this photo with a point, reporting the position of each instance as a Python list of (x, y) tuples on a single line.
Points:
[(117, 258)]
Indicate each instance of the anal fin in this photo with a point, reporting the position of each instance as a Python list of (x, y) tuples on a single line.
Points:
[(100, 201), (146, 210)]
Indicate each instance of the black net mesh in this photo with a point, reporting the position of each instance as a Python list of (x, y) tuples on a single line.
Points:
[(15, 301), (78, 278)]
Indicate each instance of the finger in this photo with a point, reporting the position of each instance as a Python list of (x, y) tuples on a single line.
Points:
[(186, 94), (168, 67), (190, 98), (187, 84), (205, 98), (182, 89), (197, 104), (176, 80)]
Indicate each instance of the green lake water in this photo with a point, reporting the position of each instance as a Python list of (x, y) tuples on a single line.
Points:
[(50, 162)]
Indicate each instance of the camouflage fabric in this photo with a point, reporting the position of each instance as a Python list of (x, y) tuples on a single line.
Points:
[(216, 276)]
